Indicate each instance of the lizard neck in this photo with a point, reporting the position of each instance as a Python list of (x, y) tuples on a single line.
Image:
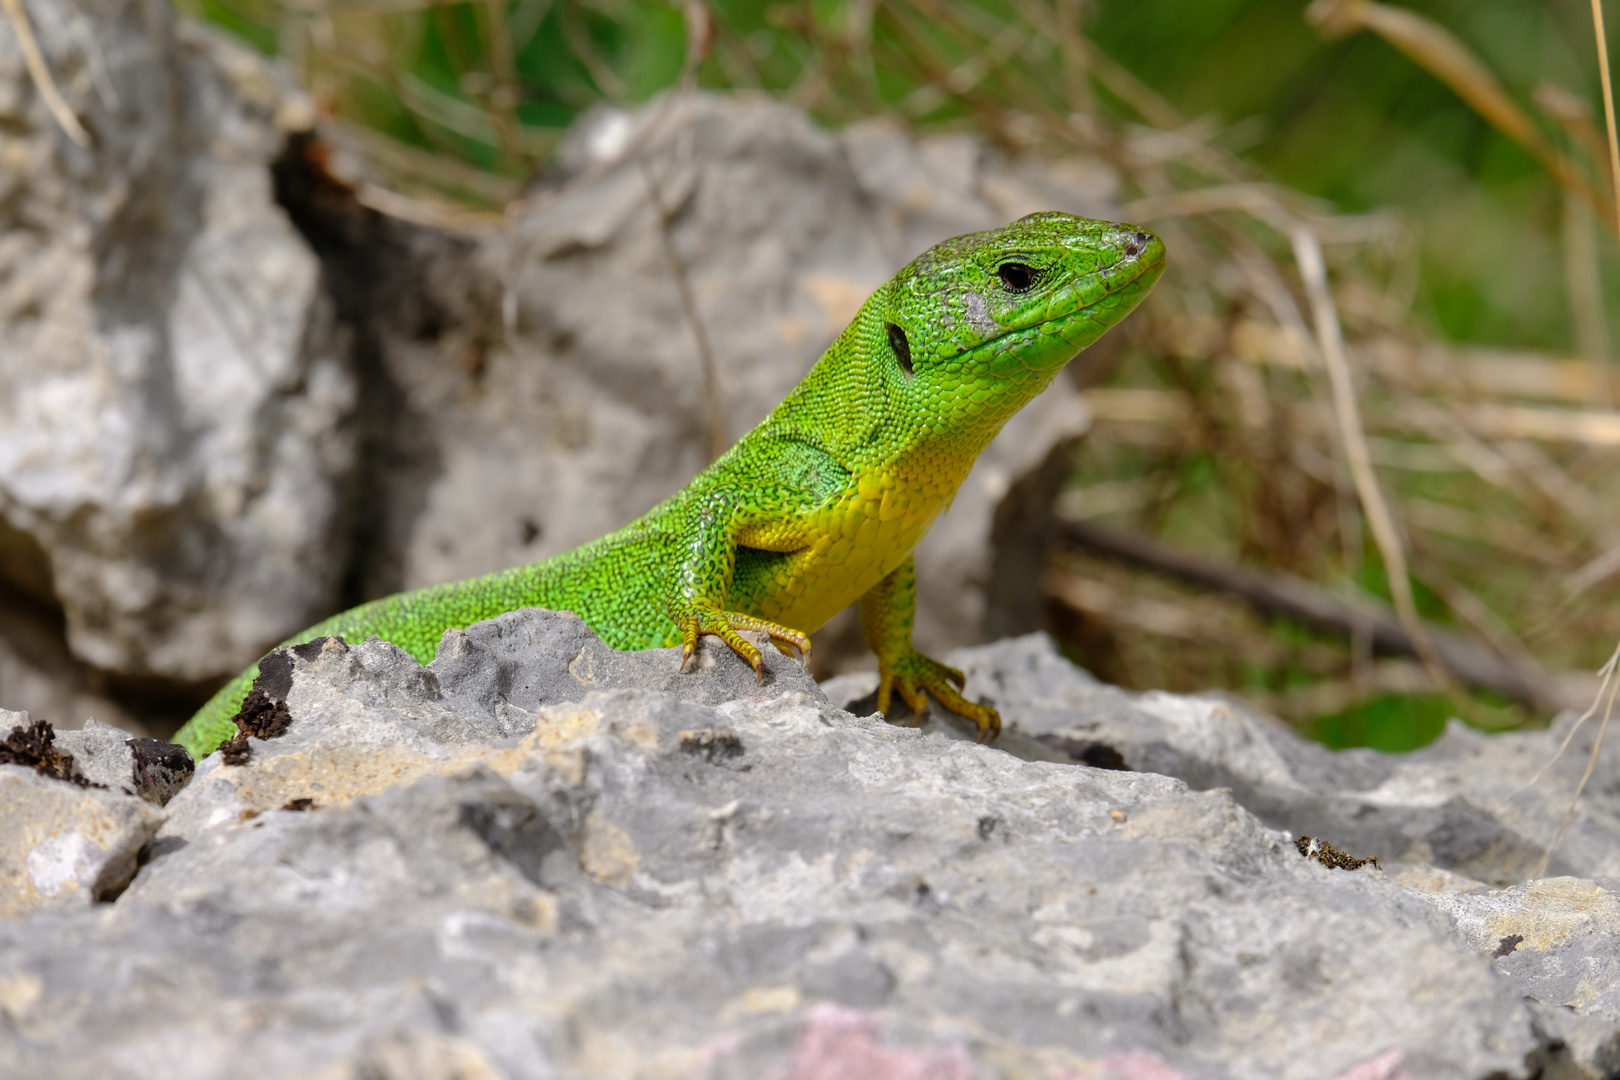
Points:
[(858, 405)]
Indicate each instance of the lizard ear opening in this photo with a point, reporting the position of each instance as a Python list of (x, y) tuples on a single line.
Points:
[(901, 346)]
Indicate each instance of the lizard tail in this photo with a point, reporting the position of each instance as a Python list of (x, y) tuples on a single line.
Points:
[(414, 621)]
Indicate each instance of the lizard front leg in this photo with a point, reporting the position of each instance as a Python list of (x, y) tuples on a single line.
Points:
[(703, 582), (887, 611)]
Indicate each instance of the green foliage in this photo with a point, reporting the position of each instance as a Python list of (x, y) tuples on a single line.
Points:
[(1398, 723), (1393, 723), (1360, 124)]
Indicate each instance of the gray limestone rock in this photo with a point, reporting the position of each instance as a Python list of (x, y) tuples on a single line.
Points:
[(149, 768), (529, 658), (1465, 804), (365, 717), (493, 867), (68, 839), (173, 446)]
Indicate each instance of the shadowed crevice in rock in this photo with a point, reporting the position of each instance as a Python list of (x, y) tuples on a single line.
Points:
[(390, 281), (40, 675)]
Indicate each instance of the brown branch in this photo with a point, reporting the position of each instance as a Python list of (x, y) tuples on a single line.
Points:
[(1279, 595)]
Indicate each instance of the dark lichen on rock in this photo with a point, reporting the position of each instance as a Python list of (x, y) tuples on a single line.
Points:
[(236, 751), (34, 747), (711, 744), (1325, 853), (262, 716)]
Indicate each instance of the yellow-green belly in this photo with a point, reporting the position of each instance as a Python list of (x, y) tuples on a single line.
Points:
[(856, 542)]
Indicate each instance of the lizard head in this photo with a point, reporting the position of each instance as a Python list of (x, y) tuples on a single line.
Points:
[(981, 323)]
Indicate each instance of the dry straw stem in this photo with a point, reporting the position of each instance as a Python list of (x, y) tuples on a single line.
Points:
[(41, 74), (1605, 698), (1330, 343), (427, 212), (1435, 49), (1608, 105), (1574, 115), (1273, 594), (669, 114)]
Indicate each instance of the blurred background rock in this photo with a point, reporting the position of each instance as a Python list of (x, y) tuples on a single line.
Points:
[(329, 298)]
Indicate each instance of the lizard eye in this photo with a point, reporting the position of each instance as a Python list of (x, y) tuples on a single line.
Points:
[(1016, 277), (901, 346)]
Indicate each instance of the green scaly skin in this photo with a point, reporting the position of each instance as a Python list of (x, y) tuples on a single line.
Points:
[(822, 504)]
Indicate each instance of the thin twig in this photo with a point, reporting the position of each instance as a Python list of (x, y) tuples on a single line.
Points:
[(1612, 685), (1283, 595), (41, 74), (1571, 112), (1583, 280), (716, 421), (1438, 51), (1608, 105), (1606, 674), (699, 41), (1330, 342)]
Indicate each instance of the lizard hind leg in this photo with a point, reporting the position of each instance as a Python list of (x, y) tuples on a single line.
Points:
[(724, 625), (887, 611)]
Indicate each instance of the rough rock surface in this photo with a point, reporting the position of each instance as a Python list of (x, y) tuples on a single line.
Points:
[(172, 443), (538, 858), (150, 768), (69, 839), (1464, 804)]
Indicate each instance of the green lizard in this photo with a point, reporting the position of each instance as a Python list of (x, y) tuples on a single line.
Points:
[(823, 502)]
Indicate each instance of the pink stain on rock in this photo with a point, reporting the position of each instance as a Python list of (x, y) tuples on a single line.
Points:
[(1140, 1065), (842, 1044), (1390, 1065)]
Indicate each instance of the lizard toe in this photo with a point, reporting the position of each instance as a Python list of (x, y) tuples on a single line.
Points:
[(725, 625)]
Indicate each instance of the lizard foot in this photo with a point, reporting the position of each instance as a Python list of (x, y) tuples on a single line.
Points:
[(916, 677), (725, 624)]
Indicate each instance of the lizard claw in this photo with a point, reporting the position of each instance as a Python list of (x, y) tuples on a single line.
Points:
[(725, 624), (916, 677)]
